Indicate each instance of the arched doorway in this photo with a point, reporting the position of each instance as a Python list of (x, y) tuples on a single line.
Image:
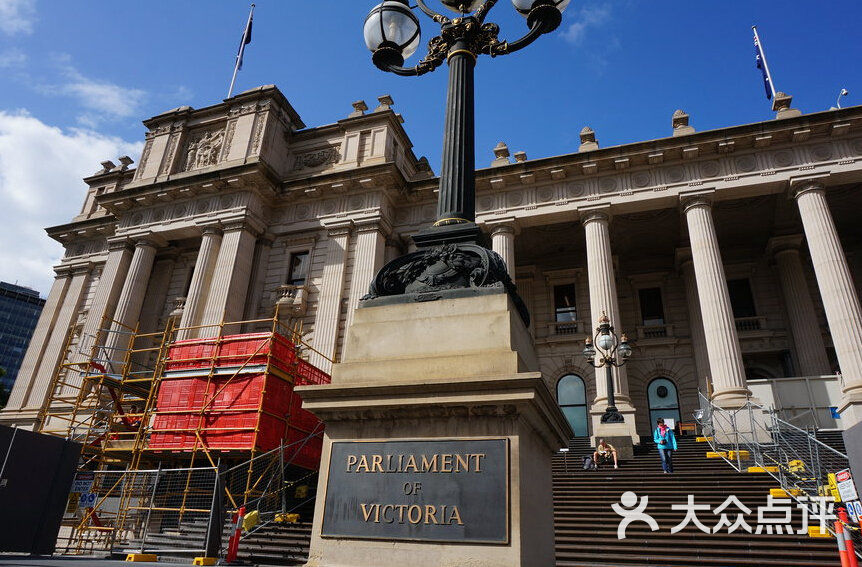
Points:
[(572, 397), (663, 400)]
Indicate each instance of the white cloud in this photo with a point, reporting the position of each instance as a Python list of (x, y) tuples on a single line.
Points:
[(17, 16), (588, 17), (102, 99), (12, 58), (41, 167)]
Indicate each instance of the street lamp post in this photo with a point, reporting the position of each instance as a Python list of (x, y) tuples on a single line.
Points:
[(612, 351), (449, 255)]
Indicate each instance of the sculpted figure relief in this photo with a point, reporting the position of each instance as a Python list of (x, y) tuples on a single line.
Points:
[(204, 150)]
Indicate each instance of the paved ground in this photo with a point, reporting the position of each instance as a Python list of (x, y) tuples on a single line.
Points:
[(27, 561)]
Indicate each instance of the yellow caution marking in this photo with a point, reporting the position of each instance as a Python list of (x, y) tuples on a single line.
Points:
[(762, 469), (814, 531), (704, 439), (136, 557), (781, 493), (205, 561), (716, 454), (744, 455)]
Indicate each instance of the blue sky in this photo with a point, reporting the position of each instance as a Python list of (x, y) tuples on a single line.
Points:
[(77, 78)]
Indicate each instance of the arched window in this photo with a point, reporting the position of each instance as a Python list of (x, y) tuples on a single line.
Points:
[(663, 400), (572, 397)]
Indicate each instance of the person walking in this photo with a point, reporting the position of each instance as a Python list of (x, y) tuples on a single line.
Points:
[(666, 443)]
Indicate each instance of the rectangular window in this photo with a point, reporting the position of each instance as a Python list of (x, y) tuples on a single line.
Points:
[(298, 268), (565, 308), (741, 298), (652, 308)]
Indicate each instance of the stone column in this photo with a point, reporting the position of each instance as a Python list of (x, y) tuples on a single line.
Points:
[(801, 314), (503, 243), (367, 261), (131, 300), (837, 292), (393, 250), (230, 278), (719, 327), (39, 341), (201, 278), (40, 382), (107, 293), (695, 321), (255, 287), (603, 298), (329, 298)]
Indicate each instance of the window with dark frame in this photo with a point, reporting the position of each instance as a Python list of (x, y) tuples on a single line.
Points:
[(565, 308), (741, 298), (652, 307), (298, 268)]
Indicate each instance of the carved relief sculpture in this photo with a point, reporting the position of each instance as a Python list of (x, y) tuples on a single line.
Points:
[(204, 149)]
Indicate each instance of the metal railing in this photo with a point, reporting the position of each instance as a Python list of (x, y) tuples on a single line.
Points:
[(754, 435)]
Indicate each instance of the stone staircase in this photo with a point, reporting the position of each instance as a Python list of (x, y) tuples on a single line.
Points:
[(586, 525)]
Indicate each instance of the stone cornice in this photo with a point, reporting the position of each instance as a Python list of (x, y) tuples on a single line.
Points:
[(90, 228), (255, 176)]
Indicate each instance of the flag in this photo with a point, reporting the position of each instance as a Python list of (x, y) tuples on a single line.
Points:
[(760, 58), (246, 39)]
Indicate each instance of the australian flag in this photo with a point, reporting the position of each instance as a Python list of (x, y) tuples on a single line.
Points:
[(761, 64), (246, 39)]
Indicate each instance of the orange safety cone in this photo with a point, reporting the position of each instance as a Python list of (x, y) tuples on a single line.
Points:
[(842, 544), (848, 540), (233, 544)]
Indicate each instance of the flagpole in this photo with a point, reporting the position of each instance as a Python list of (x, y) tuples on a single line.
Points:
[(765, 64), (242, 51)]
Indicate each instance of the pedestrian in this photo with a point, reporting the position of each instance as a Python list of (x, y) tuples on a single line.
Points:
[(605, 452), (666, 443)]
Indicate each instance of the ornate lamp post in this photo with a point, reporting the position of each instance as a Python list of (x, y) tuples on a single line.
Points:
[(612, 351), (449, 256)]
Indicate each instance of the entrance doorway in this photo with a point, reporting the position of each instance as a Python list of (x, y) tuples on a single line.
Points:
[(663, 400), (572, 397)]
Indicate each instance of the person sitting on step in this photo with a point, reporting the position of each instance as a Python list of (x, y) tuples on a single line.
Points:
[(604, 453)]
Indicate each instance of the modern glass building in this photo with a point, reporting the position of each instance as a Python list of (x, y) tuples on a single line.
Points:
[(19, 311)]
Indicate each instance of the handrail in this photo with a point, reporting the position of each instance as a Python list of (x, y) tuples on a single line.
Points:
[(794, 457)]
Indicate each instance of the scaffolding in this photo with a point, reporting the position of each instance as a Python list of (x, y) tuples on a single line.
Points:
[(106, 396)]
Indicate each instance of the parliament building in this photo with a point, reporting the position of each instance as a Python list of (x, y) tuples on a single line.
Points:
[(731, 258)]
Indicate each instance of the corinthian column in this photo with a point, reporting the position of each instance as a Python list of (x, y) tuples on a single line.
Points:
[(603, 298), (695, 321), (368, 259), (131, 300), (503, 243), (107, 293), (837, 292), (719, 327), (804, 327), (201, 279), (329, 299), (230, 278)]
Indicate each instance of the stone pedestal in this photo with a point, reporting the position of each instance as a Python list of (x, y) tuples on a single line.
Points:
[(439, 438)]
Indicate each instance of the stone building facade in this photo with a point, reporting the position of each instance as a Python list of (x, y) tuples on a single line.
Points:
[(726, 255)]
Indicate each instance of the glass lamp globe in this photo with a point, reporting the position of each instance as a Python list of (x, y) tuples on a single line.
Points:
[(625, 350), (605, 342), (525, 6), (392, 24), (462, 6)]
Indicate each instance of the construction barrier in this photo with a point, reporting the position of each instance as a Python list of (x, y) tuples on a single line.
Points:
[(233, 544), (843, 521)]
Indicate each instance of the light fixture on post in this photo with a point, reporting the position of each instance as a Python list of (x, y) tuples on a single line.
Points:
[(451, 247), (609, 351)]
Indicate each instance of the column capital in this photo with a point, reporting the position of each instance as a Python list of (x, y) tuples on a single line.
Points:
[(508, 225), (266, 239), (238, 225), (787, 243), (800, 186), (81, 269), (338, 228), (120, 244), (594, 215), (150, 240), (694, 200), (214, 229), (378, 224)]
